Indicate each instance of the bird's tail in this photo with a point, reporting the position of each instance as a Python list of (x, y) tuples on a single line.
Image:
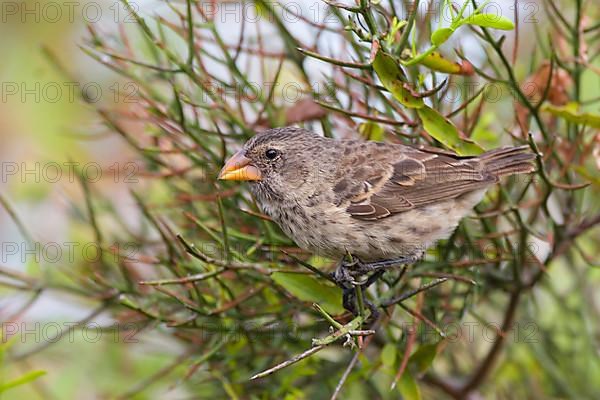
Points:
[(508, 161)]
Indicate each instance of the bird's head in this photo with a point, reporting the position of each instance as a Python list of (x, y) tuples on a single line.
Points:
[(280, 160)]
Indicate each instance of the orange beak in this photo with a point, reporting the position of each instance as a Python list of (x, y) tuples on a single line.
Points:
[(238, 168)]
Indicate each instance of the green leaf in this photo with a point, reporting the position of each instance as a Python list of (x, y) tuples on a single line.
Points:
[(308, 288), (570, 112), (396, 26), (392, 77), (371, 131), (23, 379), (489, 21), (439, 36), (408, 387), (445, 132), (588, 175), (436, 62), (422, 359), (388, 355), (484, 132)]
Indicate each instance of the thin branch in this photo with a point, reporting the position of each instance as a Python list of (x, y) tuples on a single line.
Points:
[(289, 362)]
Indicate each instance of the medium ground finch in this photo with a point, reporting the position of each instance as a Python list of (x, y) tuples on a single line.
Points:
[(383, 204)]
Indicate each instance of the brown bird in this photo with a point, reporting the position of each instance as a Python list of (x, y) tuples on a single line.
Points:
[(384, 204)]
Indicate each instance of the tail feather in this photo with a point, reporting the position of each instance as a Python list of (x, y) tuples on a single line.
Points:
[(508, 161)]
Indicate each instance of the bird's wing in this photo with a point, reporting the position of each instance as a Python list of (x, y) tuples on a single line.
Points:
[(417, 179)]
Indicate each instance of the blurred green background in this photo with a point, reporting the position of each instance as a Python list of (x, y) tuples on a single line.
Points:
[(556, 353)]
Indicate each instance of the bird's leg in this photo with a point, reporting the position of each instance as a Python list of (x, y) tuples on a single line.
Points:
[(364, 268), (348, 274), (373, 278), (349, 301), (344, 277), (373, 309)]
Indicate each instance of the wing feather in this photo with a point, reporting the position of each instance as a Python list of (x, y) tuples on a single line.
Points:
[(418, 179)]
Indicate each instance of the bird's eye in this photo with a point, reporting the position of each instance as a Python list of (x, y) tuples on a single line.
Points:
[(271, 154)]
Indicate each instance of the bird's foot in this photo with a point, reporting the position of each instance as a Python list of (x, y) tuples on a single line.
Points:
[(354, 272), (383, 265), (353, 275), (344, 277)]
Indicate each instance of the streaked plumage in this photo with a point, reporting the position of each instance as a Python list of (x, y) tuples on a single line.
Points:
[(373, 200)]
